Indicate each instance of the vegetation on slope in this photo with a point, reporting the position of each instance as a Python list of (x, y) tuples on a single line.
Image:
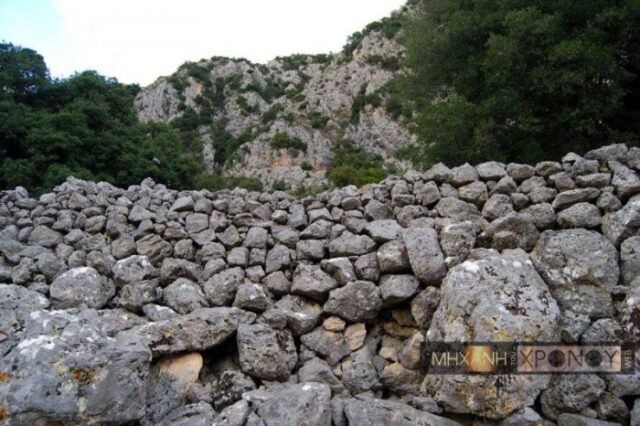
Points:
[(85, 126)]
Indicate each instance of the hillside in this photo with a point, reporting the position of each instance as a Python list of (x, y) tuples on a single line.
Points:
[(279, 121)]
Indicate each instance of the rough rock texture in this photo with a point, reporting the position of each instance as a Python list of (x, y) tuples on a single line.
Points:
[(498, 299), (250, 308)]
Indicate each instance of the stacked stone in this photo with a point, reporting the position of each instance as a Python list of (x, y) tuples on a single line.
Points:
[(155, 306)]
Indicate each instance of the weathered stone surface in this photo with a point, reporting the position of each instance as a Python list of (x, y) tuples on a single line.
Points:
[(317, 370), (184, 296), (167, 256), (81, 286), (229, 387), (330, 345), (392, 258), (364, 411), (340, 268), (425, 255), (293, 404), (310, 281), (221, 288), (55, 367), (630, 260), (45, 237), (349, 244), (568, 419), (359, 372), (355, 302), (580, 268), (198, 331), (471, 295), (620, 225), (154, 247), (570, 394), (515, 230), (581, 215), (266, 353), (302, 315), (383, 230), (395, 289)]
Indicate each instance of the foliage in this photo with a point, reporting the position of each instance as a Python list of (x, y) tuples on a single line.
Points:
[(360, 101), (317, 119), (283, 140), (86, 126), (524, 81), (272, 113), (244, 105), (353, 166), (388, 27), (225, 144), (306, 166), (389, 63), (271, 90), (23, 73)]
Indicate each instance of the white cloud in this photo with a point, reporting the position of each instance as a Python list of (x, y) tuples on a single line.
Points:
[(139, 40)]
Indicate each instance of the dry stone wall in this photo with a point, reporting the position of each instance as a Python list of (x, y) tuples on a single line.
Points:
[(152, 306)]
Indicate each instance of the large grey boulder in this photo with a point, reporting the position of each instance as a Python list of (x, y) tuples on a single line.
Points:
[(618, 226), (395, 289), (221, 288), (133, 269), (580, 268), (581, 215), (81, 286), (312, 282), (392, 257), (355, 302), (292, 404), (625, 180), (472, 293), (317, 370), (302, 315), (265, 353), (516, 230), (154, 247), (200, 330), (331, 345), (383, 230), (184, 296), (349, 244), (425, 255), (45, 237), (70, 369)]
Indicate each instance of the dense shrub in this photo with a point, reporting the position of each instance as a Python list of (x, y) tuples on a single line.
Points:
[(283, 140), (351, 165), (524, 81), (317, 119)]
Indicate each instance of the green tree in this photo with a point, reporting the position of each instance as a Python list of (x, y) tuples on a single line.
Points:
[(23, 72), (522, 81)]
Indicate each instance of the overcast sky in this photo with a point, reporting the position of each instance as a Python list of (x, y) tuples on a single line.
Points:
[(137, 41)]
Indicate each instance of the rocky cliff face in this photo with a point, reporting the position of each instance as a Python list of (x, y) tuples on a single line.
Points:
[(151, 306), (314, 100)]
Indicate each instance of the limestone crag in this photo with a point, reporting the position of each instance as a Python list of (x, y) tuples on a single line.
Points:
[(318, 99), (149, 306)]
